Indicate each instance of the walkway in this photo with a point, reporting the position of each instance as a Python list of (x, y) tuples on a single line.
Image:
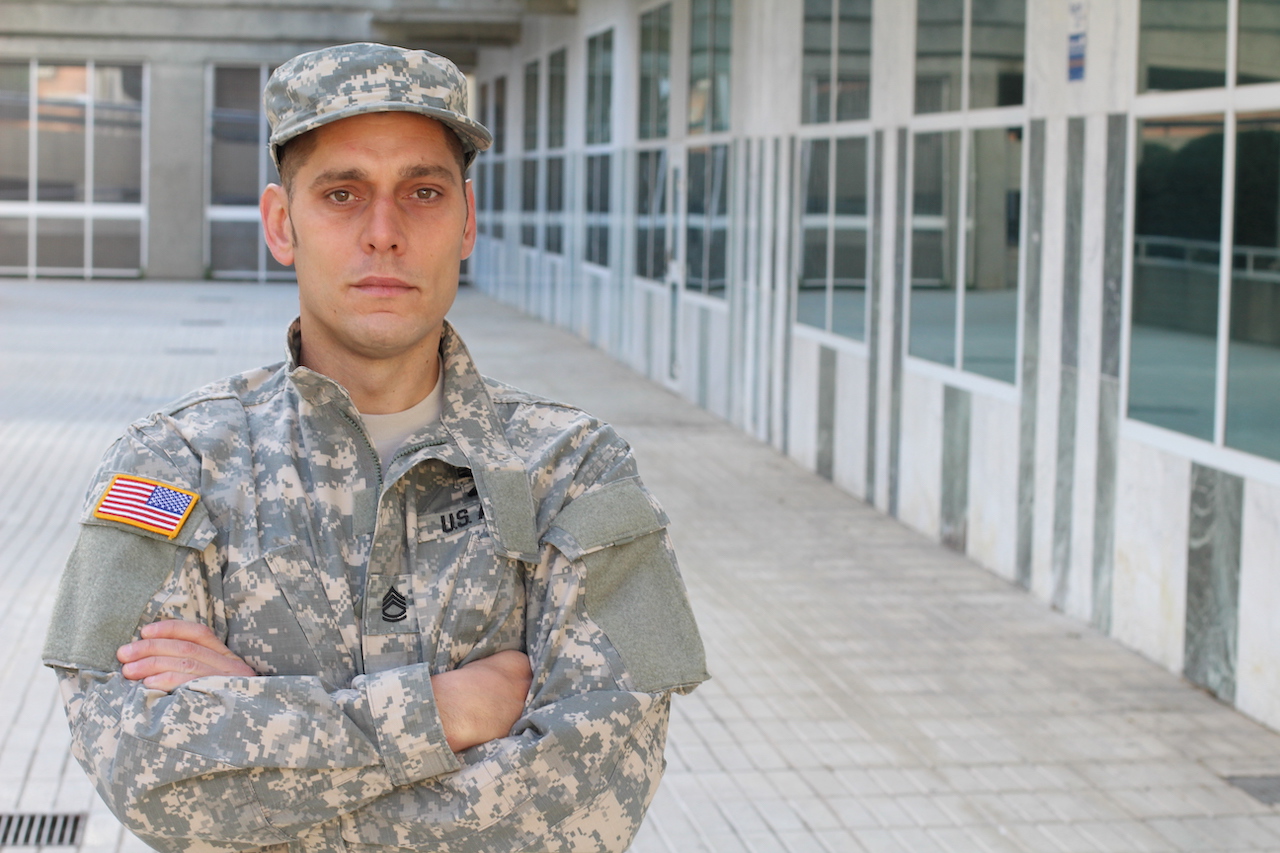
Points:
[(872, 692)]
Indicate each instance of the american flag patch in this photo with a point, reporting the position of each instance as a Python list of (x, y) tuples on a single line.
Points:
[(147, 504)]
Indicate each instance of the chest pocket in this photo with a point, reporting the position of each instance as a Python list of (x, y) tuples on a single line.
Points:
[(475, 595)]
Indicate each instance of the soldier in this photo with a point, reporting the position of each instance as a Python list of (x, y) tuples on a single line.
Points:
[(366, 598)]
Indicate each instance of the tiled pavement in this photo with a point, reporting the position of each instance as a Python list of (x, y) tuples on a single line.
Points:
[(872, 692)]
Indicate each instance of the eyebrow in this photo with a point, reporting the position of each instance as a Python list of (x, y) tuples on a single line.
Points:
[(421, 170)]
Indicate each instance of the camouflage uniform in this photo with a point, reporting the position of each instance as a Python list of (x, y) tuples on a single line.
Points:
[(513, 523)]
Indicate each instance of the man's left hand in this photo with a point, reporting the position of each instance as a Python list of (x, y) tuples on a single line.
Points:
[(173, 652)]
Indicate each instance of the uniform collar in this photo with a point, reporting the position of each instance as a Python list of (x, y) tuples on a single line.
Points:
[(470, 421)]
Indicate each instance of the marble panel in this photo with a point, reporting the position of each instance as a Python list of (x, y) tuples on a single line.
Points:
[(1114, 248), (1072, 243), (719, 366), (851, 423), (824, 454), (920, 501), (802, 403), (872, 372), (1213, 580), (1258, 656), (1029, 369), (1104, 505), (993, 484), (956, 418), (703, 365), (1149, 583), (1064, 481)]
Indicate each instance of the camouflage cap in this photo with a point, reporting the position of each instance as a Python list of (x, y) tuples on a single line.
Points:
[(333, 83)]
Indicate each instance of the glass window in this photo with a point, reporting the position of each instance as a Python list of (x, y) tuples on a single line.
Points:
[(498, 198), (498, 123), (556, 65), (939, 55), (651, 214), (15, 120), (707, 220), (836, 77), (13, 246), (233, 247), (555, 205), (529, 202), (1183, 45), (991, 255), (1177, 241), (1259, 44), (117, 245), (934, 222), (480, 185), (1253, 371), (597, 209), (811, 297), (996, 52), (833, 280), (60, 245), (531, 106), (62, 94), (710, 41), (655, 72), (237, 95), (600, 88), (117, 133)]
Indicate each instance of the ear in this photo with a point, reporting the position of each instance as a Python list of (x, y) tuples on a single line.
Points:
[(469, 233), (274, 206)]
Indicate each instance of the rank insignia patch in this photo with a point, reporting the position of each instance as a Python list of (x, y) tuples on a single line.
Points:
[(147, 504)]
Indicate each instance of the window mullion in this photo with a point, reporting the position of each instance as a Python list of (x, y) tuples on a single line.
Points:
[(1226, 258)]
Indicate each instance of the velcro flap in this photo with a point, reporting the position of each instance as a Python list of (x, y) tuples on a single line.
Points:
[(611, 515)]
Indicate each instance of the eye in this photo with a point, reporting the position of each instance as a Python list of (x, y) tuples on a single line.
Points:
[(425, 193), (341, 196)]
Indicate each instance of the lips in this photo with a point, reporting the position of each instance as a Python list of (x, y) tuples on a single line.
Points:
[(382, 286)]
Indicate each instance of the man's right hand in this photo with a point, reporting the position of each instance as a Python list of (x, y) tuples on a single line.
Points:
[(482, 700)]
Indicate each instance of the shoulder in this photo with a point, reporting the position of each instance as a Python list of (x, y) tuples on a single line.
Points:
[(537, 426)]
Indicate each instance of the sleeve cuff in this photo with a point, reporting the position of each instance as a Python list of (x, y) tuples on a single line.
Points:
[(410, 735)]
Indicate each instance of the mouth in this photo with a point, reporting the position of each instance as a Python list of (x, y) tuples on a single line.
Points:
[(382, 286)]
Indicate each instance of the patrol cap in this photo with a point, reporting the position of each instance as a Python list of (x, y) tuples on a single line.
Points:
[(333, 83)]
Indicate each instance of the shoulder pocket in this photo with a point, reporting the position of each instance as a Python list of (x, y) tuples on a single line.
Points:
[(611, 515)]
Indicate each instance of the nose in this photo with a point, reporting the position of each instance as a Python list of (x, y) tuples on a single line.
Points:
[(384, 227)]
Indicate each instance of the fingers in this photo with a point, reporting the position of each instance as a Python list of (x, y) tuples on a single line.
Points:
[(171, 653)]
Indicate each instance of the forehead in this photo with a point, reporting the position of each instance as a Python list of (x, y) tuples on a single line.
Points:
[(399, 136)]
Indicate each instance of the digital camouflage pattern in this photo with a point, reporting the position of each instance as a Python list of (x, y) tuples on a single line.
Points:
[(292, 560), (351, 79)]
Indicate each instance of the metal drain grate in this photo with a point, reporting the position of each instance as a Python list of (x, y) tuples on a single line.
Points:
[(1264, 789), (41, 830)]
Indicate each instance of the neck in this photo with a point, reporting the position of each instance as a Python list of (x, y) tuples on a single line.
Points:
[(384, 385)]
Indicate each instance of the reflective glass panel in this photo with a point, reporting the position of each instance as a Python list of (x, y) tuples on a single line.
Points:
[(1182, 45), (60, 246), (1253, 370), (498, 198), (13, 245), (935, 217), (555, 205), (556, 63), (531, 106), (849, 250), (709, 59), (117, 245), (655, 72), (651, 214), (597, 208), (853, 61), (237, 93), (117, 133), (233, 247), (599, 88), (997, 47), (498, 127), (707, 218), (15, 121), (480, 185), (815, 96), (811, 294), (939, 55), (529, 202), (1177, 241), (991, 256), (62, 92), (1259, 45)]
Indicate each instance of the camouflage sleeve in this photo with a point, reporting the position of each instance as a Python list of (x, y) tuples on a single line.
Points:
[(196, 769)]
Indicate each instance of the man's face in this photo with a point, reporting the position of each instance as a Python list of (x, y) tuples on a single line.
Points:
[(377, 221)]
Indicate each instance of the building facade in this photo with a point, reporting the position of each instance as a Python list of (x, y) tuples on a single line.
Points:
[(1009, 270)]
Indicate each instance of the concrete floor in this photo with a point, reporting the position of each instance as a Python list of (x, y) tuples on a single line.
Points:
[(873, 691)]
